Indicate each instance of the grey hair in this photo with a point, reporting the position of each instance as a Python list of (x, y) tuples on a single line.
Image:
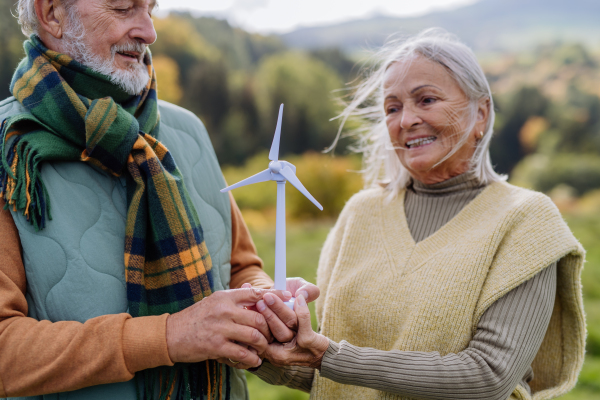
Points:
[(380, 161), (28, 19)]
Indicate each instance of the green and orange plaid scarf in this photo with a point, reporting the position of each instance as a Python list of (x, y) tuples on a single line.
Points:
[(76, 114)]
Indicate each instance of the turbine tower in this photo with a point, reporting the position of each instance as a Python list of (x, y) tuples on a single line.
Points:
[(280, 172)]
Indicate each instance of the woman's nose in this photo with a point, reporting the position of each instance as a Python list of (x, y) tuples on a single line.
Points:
[(409, 118)]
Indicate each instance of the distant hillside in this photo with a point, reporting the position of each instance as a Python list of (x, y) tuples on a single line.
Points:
[(489, 25)]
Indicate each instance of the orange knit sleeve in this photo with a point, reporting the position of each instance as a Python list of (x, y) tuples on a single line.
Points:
[(40, 357), (246, 265)]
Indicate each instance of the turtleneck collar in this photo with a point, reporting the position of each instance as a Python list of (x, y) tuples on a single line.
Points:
[(460, 183)]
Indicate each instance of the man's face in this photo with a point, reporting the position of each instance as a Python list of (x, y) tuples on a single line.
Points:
[(111, 37)]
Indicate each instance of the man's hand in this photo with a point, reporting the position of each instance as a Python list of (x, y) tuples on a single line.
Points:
[(219, 327), (283, 321)]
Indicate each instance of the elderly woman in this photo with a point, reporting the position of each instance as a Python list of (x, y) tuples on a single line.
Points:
[(445, 282)]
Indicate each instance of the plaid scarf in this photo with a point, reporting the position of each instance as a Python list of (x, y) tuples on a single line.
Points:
[(76, 114)]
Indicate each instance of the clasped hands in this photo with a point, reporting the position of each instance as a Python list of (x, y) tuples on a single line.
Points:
[(240, 327)]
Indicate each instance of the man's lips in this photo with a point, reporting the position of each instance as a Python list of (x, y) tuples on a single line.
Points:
[(130, 55)]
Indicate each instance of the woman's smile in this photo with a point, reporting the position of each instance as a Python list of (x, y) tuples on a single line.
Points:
[(420, 142), (426, 116)]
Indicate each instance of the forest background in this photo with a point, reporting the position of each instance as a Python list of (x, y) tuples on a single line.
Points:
[(544, 73)]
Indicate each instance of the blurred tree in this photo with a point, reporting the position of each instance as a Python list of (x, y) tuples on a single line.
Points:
[(241, 49), (578, 121), (339, 61), (167, 75), (544, 172), (506, 149), (305, 86), (178, 40), (11, 45)]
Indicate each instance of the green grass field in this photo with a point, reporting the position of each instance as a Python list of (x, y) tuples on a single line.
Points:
[(304, 242)]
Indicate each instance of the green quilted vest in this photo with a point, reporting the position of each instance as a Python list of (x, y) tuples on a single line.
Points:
[(75, 269)]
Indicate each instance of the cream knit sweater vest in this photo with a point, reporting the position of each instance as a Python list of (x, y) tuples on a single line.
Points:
[(379, 289)]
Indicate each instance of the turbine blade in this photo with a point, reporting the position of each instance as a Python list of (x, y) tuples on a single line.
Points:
[(274, 153), (260, 177), (289, 175)]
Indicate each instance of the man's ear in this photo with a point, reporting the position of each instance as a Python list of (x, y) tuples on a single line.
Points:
[(51, 16)]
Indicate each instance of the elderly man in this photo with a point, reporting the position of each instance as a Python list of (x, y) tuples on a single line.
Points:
[(109, 241)]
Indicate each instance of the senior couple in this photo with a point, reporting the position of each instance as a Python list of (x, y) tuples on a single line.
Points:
[(120, 258)]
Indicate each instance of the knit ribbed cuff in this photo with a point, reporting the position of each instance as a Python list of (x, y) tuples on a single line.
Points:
[(145, 343), (268, 373), (328, 361)]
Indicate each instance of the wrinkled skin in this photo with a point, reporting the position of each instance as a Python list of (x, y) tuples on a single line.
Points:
[(422, 100), (106, 22), (306, 348), (220, 327)]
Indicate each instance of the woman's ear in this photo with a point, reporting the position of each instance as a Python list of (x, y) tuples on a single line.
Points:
[(483, 113), (51, 16)]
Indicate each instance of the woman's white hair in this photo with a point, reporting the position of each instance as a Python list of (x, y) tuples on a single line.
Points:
[(28, 18), (380, 161)]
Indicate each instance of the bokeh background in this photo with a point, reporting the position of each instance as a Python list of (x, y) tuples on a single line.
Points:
[(542, 58)]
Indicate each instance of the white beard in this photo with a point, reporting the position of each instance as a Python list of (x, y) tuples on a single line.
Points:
[(132, 80)]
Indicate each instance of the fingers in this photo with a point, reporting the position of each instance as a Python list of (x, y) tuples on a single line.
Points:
[(237, 364), (239, 354), (279, 330), (299, 286), (309, 291), (255, 320), (249, 296), (284, 295), (303, 316), (245, 297), (250, 336), (283, 312)]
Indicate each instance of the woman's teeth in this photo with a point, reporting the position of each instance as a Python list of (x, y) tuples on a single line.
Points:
[(420, 142)]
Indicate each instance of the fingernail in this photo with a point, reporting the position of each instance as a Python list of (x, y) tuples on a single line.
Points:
[(261, 306), (304, 293), (270, 300), (301, 301), (259, 362), (287, 294)]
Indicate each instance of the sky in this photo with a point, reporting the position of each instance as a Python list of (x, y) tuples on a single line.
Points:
[(280, 16)]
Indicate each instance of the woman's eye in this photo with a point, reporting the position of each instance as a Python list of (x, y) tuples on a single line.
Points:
[(123, 10), (428, 100), (391, 110)]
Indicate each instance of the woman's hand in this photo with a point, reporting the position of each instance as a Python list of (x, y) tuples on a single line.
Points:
[(282, 321), (306, 348)]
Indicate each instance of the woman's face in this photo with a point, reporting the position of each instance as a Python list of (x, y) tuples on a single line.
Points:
[(426, 115)]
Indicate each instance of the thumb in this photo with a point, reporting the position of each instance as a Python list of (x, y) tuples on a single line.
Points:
[(303, 314)]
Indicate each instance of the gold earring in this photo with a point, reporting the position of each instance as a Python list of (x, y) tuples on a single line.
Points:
[(480, 134)]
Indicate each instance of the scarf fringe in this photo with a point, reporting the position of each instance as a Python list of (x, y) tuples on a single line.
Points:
[(198, 381), (28, 195)]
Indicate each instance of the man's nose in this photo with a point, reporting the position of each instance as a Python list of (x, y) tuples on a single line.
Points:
[(144, 29)]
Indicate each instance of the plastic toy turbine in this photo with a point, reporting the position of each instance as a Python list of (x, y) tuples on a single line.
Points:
[(280, 172)]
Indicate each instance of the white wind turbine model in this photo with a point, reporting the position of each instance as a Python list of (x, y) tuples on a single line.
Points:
[(280, 172)]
